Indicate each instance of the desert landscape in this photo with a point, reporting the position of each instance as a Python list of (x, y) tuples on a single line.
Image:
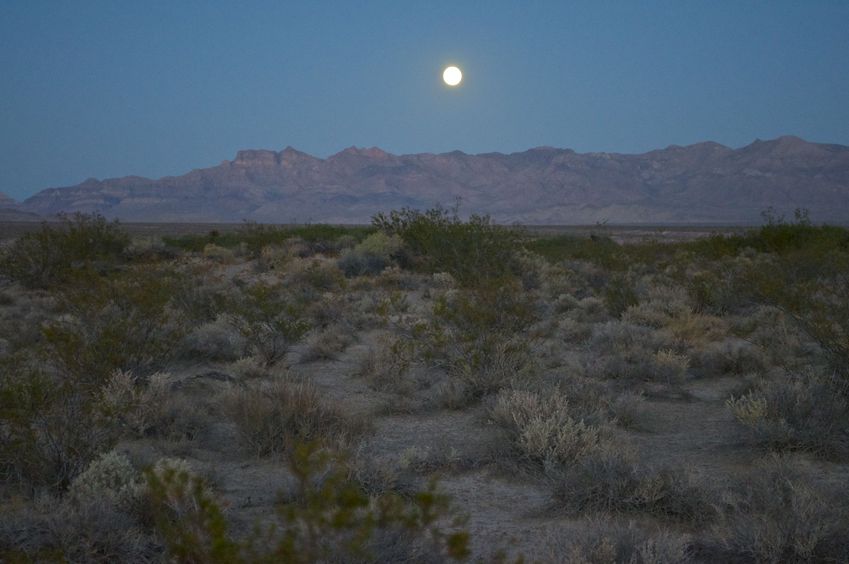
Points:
[(391, 282), (427, 388)]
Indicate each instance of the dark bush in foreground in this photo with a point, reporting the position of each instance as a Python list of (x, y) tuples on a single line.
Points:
[(326, 520)]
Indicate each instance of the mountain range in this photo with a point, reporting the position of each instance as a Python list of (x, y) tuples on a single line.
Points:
[(701, 183)]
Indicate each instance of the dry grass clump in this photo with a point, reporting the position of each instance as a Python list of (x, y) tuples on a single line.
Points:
[(61, 531), (629, 410), (386, 367), (272, 416), (796, 411), (731, 356), (776, 514), (545, 432), (472, 378), (328, 344), (140, 408), (215, 340), (603, 542), (696, 330), (610, 480)]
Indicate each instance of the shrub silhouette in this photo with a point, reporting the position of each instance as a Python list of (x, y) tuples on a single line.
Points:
[(47, 257)]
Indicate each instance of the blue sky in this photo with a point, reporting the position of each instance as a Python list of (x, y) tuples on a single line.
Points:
[(111, 88)]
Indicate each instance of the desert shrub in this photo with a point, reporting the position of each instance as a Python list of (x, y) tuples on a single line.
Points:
[(800, 411), (148, 407), (109, 479), (610, 480), (354, 263), (476, 335), (386, 366), (776, 514), (619, 295), (121, 322), (546, 431), (627, 352), (439, 241), (48, 428), (59, 531), (46, 258), (598, 249), (269, 320), (319, 238), (600, 542), (214, 340), (326, 519), (371, 256), (272, 416), (476, 375), (315, 275), (200, 300), (729, 356), (629, 410), (328, 344)]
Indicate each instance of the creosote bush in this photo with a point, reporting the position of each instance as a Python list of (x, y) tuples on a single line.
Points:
[(269, 320), (46, 258), (48, 428), (121, 322), (437, 240)]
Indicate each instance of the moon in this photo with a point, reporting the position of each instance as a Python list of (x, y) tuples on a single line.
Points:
[(452, 76)]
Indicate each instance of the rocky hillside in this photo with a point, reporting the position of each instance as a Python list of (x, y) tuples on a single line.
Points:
[(9, 210), (705, 182)]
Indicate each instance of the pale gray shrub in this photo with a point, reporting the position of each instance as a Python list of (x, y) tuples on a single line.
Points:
[(544, 431), (110, 479)]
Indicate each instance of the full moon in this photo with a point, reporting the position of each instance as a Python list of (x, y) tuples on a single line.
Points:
[(452, 76)]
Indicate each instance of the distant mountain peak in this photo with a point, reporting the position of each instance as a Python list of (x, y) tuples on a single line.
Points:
[(368, 152), (702, 182)]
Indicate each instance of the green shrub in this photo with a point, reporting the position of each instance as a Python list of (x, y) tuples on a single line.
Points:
[(597, 249), (477, 336), (619, 295), (269, 320), (326, 520), (122, 322), (439, 241), (46, 258), (320, 238), (48, 428)]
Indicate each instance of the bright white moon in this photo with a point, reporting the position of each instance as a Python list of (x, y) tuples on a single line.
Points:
[(452, 76)]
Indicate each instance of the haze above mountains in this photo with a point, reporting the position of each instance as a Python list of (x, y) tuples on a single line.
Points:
[(701, 183)]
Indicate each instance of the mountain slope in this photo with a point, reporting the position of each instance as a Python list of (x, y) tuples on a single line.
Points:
[(705, 182)]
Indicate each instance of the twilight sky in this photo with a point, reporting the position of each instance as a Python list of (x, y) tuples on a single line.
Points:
[(111, 88)]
